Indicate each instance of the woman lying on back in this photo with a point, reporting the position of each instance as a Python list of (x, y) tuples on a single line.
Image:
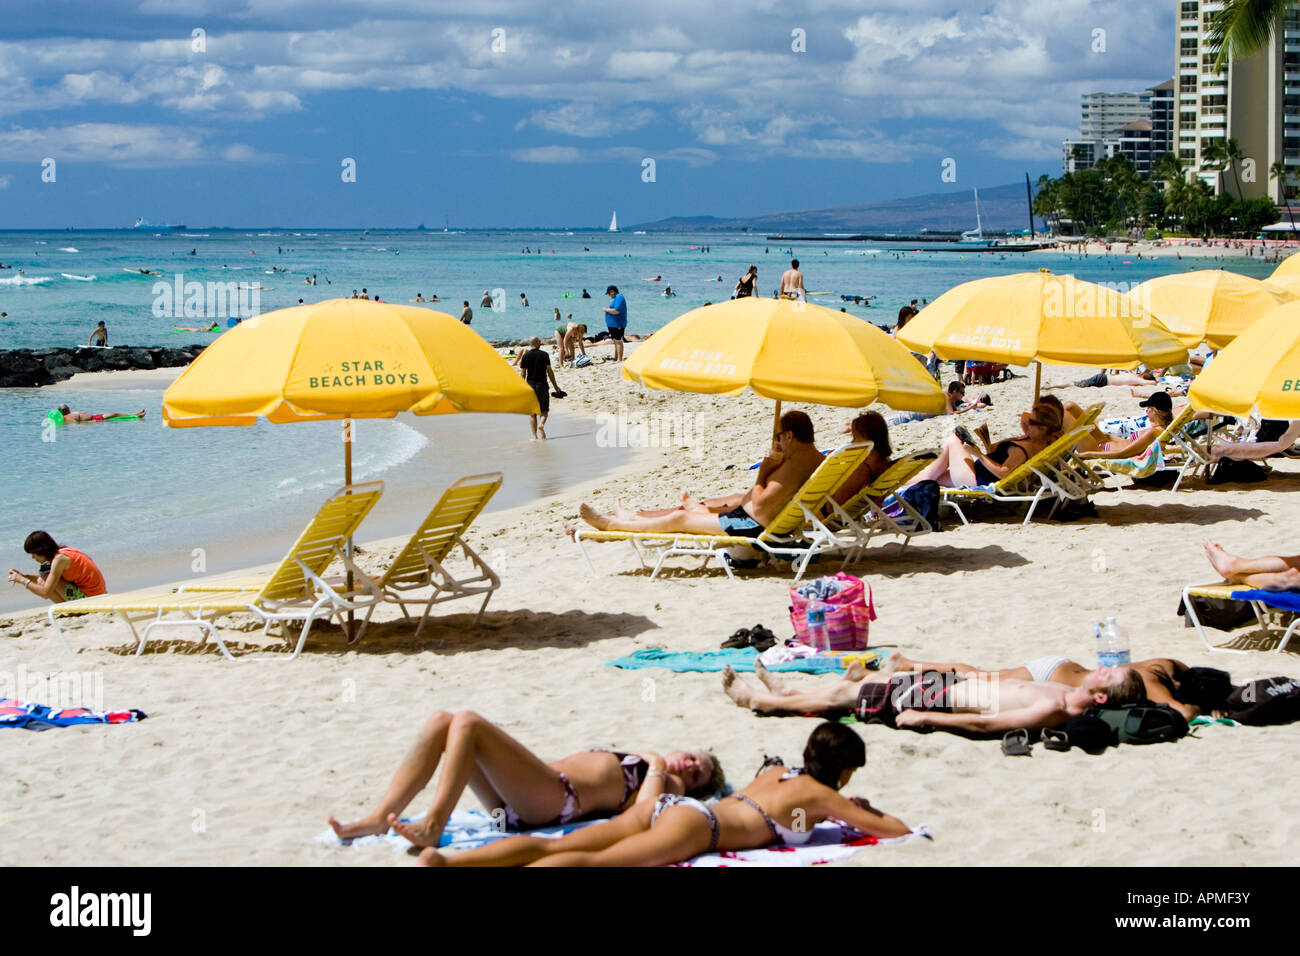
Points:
[(781, 806), (517, 786)]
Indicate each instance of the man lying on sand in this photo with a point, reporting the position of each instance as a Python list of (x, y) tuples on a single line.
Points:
[(791, 460), (1267, 574), (968, 701)]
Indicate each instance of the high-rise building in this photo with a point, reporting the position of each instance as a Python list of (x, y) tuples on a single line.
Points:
[(1137, 125), (1255, 101)]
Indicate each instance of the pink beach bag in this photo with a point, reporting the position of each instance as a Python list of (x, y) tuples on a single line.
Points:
[(849, 613)]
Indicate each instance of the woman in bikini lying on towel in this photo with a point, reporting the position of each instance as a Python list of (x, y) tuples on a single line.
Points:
[(781, 806), (518, 787)]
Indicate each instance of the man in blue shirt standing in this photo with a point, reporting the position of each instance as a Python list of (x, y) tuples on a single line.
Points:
[(616, 319)]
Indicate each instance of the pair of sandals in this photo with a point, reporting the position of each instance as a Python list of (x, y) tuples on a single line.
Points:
[(758, 637), (1015, 743)]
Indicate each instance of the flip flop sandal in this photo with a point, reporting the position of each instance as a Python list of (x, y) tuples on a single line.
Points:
[(1015, 743), (760, 638), (1056, 740), (740, 639)]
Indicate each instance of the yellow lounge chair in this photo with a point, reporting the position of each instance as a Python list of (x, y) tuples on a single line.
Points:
[(1052, 473), (798, 516), (1267, 617), (294, 591), (863, 516), (419, 565)]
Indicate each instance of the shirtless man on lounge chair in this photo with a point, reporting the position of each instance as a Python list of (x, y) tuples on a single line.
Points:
[(952, 697), (791, 460)]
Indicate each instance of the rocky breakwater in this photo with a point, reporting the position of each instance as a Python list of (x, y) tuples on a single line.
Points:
[(30, 368)]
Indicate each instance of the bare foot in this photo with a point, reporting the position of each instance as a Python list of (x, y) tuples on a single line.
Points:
[(570, 530), (737, 690), (366, 826), (421, 833), (1221, 560), (593, 517), (541, 432), (431, 857), (141, 413), (855, 671), (892, 663), (773, 683)]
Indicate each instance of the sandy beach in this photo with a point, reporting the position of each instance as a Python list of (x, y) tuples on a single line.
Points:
[(241, 763)]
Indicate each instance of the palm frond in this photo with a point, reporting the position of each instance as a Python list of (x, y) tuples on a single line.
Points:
[(1243, 28)]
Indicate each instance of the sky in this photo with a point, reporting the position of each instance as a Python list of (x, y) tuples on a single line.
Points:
[(507, 113)]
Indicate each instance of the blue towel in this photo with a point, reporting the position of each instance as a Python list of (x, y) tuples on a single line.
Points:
[(1282, 600), (740, 658), (16, 713)]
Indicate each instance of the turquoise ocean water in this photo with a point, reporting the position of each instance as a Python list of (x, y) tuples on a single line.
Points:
[(114, 488)]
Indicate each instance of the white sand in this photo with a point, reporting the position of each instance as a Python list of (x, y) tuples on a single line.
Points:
[(242, 762)]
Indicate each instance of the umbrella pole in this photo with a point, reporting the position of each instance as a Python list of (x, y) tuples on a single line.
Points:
[(776, 420), (1038, 376), (347, 480)]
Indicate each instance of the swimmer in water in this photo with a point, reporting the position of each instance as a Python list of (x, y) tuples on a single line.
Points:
[(78, 418)]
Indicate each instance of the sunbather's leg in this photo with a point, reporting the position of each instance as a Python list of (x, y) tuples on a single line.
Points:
[(936, 470), (689, 522), (498, 768), (522, 850), (412, 776), (839, 694), (776, 685), (679, 834), (1272, 573)]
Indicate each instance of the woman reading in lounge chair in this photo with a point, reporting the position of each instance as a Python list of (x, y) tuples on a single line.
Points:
[(518, 787), (961, 465), (781, 806)]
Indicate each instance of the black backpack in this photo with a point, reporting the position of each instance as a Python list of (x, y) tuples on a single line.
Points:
[(1270, 700), (1100, 727)]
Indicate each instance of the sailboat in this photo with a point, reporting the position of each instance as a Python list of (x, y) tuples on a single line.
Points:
[(613, 222), (975, 235)]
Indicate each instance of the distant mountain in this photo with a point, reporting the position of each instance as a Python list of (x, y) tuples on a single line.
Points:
[(1002, 209)]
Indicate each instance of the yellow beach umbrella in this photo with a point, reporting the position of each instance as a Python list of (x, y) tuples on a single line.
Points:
[(1209, 305), (1260, 369), (1290, 266), (1287, 286), (1040, 317), (786, 350), (344, 359)]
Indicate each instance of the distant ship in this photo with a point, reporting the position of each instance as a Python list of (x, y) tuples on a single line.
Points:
[(613, 222), (156, 226)]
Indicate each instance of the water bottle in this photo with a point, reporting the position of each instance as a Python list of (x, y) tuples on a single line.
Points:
[(1112, 644), (818, 634)]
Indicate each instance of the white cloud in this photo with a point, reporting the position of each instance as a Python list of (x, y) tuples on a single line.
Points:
[(594, 70), (119, 144), (5, 181)]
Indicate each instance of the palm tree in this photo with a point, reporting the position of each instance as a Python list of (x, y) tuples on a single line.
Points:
[(1220, 155), (1168, 169), (1234, 154), (1244, 27)]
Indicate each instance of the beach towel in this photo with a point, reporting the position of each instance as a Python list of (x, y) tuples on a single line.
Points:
[(830, 841), (16, 713), (465, 830), (1282, 600), (741, 659), (468, 829)]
